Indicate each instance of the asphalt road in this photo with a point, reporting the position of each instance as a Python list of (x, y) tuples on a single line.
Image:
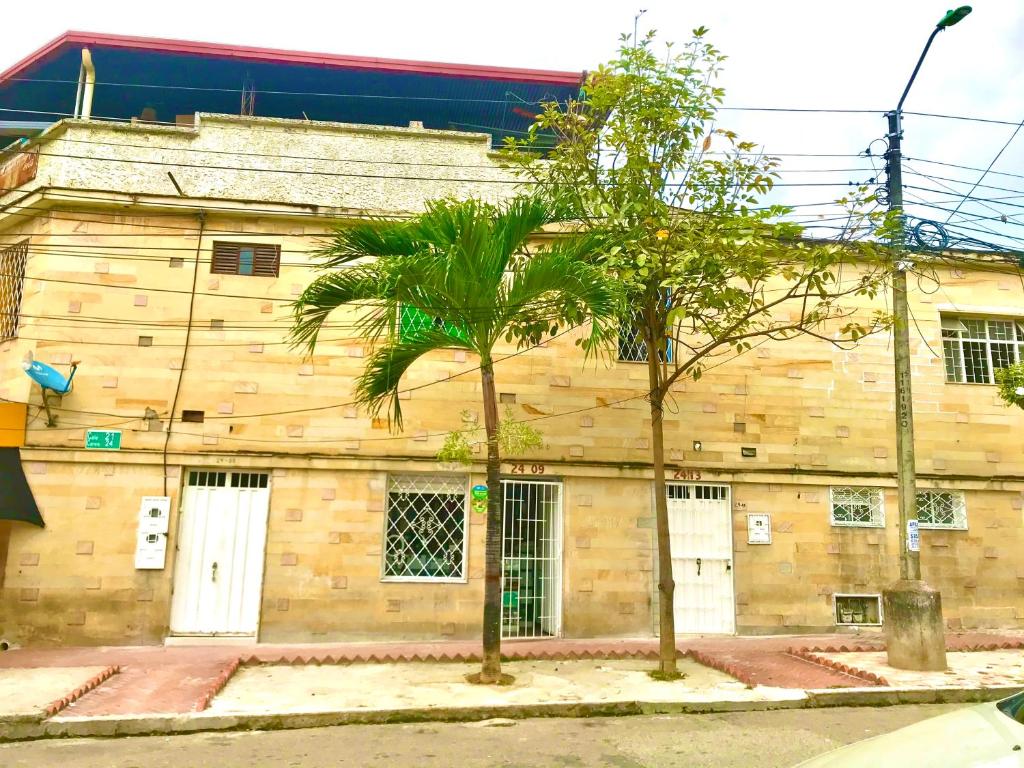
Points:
[(762, 739)]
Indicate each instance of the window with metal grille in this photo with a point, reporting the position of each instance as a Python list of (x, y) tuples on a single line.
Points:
[(974, 348), (12, 284), (633, 348), (858, 507), (413, 321), (704, 492), (858, 609), (255, 259), (941, 509), (425, 530)]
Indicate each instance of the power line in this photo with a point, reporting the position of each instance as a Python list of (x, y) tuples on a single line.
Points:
[(963, 167), (962, 117), (989, 168), (387, 177)]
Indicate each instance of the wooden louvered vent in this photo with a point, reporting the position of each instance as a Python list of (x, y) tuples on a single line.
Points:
[(256, 259)]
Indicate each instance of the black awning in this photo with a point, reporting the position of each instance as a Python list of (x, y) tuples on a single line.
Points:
[(16, 500)]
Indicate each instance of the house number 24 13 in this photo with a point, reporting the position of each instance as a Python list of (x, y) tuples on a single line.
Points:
[(527, 469)]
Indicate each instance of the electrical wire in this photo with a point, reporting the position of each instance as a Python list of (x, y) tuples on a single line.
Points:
[(989, 168), (184, 350), (347, 175)]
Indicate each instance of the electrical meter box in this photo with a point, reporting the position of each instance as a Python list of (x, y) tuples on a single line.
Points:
[(154, 514), (151, 542)]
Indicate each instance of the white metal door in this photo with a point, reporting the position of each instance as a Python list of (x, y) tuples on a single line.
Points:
[(531, 574), (700, 526), (222, 533)]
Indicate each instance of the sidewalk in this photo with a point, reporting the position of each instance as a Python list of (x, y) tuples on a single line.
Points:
[(121, 690)]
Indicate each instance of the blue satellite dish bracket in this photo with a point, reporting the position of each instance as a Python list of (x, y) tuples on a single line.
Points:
[(50, 380)]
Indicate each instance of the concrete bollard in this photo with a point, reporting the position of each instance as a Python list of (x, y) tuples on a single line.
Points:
[(914, 631)]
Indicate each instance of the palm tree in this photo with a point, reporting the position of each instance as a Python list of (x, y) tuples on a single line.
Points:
[(465, 267)]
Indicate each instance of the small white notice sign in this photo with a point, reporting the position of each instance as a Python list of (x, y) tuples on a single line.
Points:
[(913, 537), (759, 528)]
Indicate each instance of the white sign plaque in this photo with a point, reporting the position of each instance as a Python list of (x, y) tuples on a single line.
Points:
[(759, 528)]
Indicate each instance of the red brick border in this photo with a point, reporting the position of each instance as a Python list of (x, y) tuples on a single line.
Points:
[(445, 658), (56, 706), (708, 660), (216, 686), (814, 658)]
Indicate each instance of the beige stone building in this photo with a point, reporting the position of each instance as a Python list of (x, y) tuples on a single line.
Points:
[(162, 259)]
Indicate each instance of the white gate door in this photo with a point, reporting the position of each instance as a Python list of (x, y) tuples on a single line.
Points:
[(700, 526), (531, 574), (218, 575)]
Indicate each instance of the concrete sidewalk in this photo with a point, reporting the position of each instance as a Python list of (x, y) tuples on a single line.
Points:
[(113, 691)]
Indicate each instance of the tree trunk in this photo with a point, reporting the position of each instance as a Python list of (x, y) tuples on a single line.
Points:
[(491, 669), (666, 584)]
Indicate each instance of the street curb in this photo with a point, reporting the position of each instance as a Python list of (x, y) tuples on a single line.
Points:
[(150, 725)]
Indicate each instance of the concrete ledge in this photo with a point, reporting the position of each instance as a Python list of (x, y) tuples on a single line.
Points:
[(884, 697), (149, 725)]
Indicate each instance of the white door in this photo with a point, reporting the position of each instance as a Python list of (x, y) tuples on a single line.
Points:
[(700, 526), (222, 532)]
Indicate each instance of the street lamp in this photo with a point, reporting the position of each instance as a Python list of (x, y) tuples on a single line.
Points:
[(915, 634)]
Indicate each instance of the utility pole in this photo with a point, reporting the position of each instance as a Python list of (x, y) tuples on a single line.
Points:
[(910, 554), (915, 632)]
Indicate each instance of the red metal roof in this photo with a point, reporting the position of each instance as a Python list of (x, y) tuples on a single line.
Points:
[(250, 53)]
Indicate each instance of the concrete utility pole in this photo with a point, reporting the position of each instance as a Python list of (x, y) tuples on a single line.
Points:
[(915, 633)]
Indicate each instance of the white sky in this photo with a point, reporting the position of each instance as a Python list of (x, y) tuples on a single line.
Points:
[(787, 53)]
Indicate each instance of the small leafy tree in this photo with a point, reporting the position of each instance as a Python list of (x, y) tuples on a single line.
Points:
[(707, 271), (466, 267), (1010, 381)]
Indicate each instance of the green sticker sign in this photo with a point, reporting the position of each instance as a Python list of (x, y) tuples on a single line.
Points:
[(478, 498), (103, 440)]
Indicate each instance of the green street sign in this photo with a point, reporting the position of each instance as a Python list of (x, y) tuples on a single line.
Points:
[(103, 440)]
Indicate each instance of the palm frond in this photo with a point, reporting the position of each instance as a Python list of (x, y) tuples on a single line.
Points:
[(553, 288), (374, 239), (379, 382), (328, 292), (519, 219)]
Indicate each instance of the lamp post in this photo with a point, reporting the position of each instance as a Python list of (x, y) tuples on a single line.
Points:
[(915, 634)]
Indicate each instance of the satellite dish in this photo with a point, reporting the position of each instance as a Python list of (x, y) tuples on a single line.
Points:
[(48, 378)]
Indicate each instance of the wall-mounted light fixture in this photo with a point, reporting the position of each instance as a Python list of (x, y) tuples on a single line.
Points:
[(696, 445), (748, 453)]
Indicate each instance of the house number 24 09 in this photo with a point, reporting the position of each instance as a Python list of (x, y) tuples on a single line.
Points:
[(527, 469)]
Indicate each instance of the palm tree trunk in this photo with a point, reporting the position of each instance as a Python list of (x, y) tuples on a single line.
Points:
[(491, 669), (666, 584)]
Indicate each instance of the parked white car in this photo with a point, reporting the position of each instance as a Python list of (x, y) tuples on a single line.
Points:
[(982, 736)]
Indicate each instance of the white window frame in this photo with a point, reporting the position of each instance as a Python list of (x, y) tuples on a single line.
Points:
[(953, 346), (879, 523), (426, 476), (960, 501), (835, 610)]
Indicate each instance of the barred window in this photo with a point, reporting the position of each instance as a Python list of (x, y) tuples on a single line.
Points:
[(632, 347), (974, 348), (857, 507), (256, 259), (413, 321), (425, 535), (12, 284), (941, 509)]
